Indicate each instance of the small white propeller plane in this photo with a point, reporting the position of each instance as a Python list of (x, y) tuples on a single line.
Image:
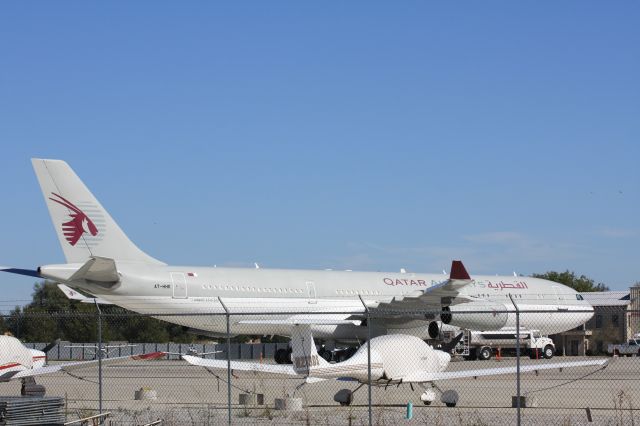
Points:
[(20, 362), (395, 359)]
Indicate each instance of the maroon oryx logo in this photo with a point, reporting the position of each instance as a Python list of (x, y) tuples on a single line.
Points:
[(74, 229)]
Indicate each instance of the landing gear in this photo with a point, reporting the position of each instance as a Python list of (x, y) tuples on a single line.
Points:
[(450, 398), (344, 397), (283, 356), (428, 396)]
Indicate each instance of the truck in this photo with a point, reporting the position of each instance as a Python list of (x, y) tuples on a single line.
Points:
[(483, 345), (631, 347)]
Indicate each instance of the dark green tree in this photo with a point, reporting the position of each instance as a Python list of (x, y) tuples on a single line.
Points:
[(580, 283)]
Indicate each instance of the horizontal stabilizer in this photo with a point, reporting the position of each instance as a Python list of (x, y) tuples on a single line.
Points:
[(74, 295), (27, 272), (7, 376), (99, 269)]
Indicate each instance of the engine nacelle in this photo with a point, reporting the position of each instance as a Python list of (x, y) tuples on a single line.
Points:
[(476, 315), (436, 328)]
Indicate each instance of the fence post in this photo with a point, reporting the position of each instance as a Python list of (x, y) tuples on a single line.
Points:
[(99, 357), (366, 309), (227, 314), (517, 358)]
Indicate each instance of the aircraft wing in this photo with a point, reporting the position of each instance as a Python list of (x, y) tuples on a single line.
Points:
[(309, 319), (426, 376), (70, 366), (433, 296), (221, 364)]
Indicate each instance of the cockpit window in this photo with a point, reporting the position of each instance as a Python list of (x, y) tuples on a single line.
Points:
[(579, 297)]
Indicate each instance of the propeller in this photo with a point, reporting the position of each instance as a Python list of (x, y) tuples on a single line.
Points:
[(50, 346)]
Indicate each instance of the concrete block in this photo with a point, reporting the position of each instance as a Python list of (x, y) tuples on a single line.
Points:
[(288, 404), (525, 401)]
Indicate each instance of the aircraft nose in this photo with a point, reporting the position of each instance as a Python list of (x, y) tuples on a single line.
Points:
[(589, 312)]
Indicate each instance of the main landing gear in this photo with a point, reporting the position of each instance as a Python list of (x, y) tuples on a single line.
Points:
[(449, 397), (345, 396)]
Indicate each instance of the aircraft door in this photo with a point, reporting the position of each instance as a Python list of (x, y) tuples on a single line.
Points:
[(179, 285), (311, 292)]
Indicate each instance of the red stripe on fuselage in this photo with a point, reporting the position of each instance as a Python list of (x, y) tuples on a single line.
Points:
[(2, 367)]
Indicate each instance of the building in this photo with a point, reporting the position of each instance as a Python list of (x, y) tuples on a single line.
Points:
[(616, 319)]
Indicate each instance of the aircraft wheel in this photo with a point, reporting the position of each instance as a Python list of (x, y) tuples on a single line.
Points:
[(428, 396), (548, 352), (450, 398), (343, 397)]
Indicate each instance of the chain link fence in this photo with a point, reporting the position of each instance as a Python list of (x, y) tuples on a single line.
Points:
[(382, 383)]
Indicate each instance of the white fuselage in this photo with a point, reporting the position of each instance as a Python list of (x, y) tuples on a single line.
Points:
[(160, 289), (14, 356)]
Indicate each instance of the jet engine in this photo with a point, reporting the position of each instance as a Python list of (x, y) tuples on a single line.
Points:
[(476, 315), (436, 328)]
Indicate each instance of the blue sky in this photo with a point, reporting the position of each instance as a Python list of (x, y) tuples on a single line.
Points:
[(357, 135)]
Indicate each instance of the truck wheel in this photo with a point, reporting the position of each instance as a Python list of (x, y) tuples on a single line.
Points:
[(548, 352), (484, 354)]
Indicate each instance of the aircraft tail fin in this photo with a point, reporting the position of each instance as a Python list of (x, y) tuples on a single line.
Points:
[(83, 226), (304, 354)]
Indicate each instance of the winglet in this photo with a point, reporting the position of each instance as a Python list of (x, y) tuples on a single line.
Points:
[(458, 271)]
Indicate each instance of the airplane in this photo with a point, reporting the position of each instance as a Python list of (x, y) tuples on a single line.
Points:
[(103, 262), (396, 359), (20, 362)]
